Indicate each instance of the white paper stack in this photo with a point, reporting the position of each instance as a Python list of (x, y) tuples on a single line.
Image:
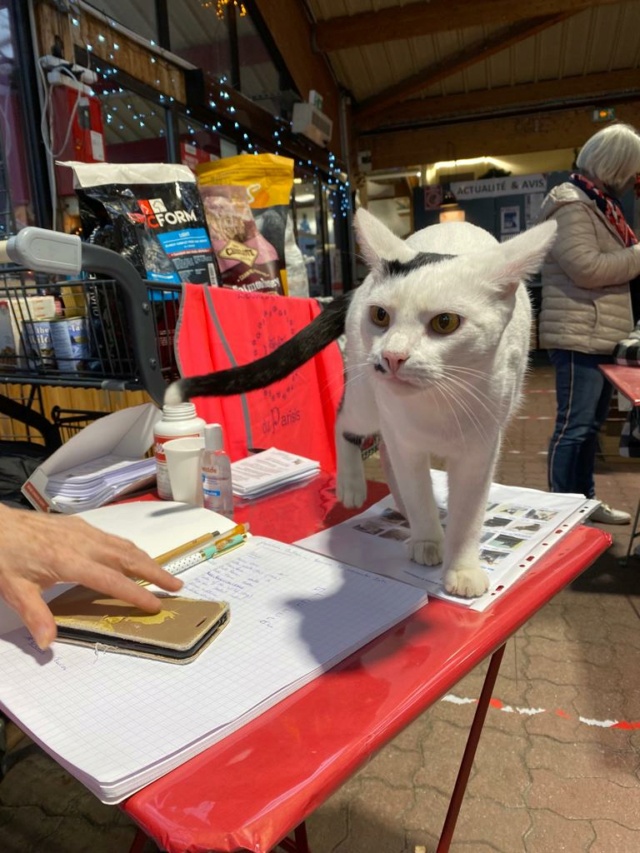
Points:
[(269, 470), (98, 482)]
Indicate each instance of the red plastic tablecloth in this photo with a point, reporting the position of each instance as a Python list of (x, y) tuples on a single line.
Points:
[(248, 791)]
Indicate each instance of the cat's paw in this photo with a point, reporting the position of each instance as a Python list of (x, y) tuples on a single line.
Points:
[(427, 552), (466, 581), (351, 490)]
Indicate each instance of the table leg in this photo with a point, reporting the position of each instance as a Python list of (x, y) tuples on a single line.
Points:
[(634, 533), (138, 843), (470, 751), (297, 844)]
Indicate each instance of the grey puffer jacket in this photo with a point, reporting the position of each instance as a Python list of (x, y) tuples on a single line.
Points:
[(586, 301)]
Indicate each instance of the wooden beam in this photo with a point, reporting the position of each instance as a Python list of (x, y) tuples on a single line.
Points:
[(601, 88), (491, 137), (370, 109), (291, 31), (424, 18)]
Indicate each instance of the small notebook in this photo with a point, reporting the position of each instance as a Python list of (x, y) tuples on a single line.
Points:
[(177, 634)]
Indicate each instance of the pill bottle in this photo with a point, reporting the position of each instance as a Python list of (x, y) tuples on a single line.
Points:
[(217, 489), (179, 421)]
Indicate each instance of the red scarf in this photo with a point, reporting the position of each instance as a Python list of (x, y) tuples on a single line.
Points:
[(609, 205)]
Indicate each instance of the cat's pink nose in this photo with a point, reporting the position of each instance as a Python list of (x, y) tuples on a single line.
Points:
[(395, 360)]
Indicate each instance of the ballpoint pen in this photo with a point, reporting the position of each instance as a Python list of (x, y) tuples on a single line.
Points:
[(185, 556), (175, 567)]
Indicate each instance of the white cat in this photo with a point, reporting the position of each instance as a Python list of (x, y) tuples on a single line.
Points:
[(437, 341)]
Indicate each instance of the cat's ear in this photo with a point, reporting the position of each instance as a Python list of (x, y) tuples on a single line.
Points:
[(377, 243), (522, 256)]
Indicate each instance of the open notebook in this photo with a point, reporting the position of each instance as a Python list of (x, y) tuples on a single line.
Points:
[(118, 722)]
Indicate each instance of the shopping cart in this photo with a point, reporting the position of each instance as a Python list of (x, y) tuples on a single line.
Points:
[(77, 315), (121, 326)]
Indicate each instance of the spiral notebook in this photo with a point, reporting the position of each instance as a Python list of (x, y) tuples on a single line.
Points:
[(118, 722)]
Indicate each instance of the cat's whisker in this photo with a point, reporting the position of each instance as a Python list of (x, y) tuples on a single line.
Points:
[(472, 414)]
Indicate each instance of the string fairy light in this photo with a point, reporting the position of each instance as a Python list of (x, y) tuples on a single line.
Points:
[(223, 115), (219, 6)]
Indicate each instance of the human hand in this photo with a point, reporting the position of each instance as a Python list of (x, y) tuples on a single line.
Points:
[(39, 550)]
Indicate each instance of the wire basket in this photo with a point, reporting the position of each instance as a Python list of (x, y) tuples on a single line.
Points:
[(81, 333)]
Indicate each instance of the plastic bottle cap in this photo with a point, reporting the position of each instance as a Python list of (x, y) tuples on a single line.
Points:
[(213, 437)]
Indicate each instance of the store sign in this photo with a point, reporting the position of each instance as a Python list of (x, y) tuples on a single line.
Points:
[(492, 187)]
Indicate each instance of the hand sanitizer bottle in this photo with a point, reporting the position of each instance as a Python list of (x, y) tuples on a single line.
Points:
[(215, 465)]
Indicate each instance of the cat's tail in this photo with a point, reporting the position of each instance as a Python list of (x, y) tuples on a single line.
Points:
[(325, 328)]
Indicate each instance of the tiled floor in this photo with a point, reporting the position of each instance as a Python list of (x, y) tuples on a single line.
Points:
[(558, 766)]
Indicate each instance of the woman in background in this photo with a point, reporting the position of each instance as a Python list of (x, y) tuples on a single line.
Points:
[(589, 302)]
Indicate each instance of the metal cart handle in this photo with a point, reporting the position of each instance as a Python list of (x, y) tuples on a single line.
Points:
[(43, 251)]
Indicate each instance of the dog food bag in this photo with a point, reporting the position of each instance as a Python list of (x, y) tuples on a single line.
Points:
[(246, 200), (151, 214)]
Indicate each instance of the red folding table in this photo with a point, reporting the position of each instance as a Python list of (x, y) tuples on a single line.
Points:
[(251, 790)]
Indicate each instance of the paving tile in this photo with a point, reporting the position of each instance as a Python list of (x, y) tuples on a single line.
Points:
[(551, 832), (586, 798)]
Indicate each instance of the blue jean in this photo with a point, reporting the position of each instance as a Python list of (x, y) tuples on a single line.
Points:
[(583, 397)]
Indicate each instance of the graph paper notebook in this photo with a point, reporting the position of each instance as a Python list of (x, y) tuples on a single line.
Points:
[(118, 722)]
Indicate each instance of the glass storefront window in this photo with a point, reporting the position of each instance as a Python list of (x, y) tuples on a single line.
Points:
[(309, 233), (259, 78), (200, 37), (135, 128), (15, 189), (137, 15)]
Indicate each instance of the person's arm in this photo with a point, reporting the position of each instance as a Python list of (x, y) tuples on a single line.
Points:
[(577, 251), (38, 550)]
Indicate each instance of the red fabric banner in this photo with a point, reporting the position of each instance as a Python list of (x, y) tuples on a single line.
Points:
[(220, 328)]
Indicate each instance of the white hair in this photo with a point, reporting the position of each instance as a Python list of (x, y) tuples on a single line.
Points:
[(612, 157)]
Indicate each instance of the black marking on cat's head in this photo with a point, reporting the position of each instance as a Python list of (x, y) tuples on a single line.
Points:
[(379, 368), (421, 259)]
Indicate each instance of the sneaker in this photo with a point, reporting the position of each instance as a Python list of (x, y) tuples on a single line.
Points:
[(604, 514)]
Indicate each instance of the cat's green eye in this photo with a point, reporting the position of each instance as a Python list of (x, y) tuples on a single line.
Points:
[(379, 316), (444, 324)]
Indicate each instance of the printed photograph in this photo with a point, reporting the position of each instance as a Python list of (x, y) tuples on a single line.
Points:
[(490, 558), (369, 526), (542, 514), (391, 514), (513, 510), (526, 527), (503, 540), (399, 533), (496, 521)]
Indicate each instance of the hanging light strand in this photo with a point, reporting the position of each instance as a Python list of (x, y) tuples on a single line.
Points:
[(219, 5)]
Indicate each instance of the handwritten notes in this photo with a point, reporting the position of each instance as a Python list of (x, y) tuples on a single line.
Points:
[(118, 722)]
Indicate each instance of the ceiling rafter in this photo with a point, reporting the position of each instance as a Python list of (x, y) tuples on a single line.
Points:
[(367, 113), (608, 86), (425, 18)]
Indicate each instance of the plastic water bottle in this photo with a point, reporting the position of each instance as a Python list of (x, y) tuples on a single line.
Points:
[(217, 490)]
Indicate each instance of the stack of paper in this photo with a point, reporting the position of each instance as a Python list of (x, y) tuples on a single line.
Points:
[(105, 460), (98, 482), (269, 470)]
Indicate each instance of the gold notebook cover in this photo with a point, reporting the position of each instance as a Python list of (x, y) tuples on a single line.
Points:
[(177, 633)]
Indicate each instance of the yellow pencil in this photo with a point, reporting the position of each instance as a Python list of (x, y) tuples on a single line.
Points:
[(186, 547)]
